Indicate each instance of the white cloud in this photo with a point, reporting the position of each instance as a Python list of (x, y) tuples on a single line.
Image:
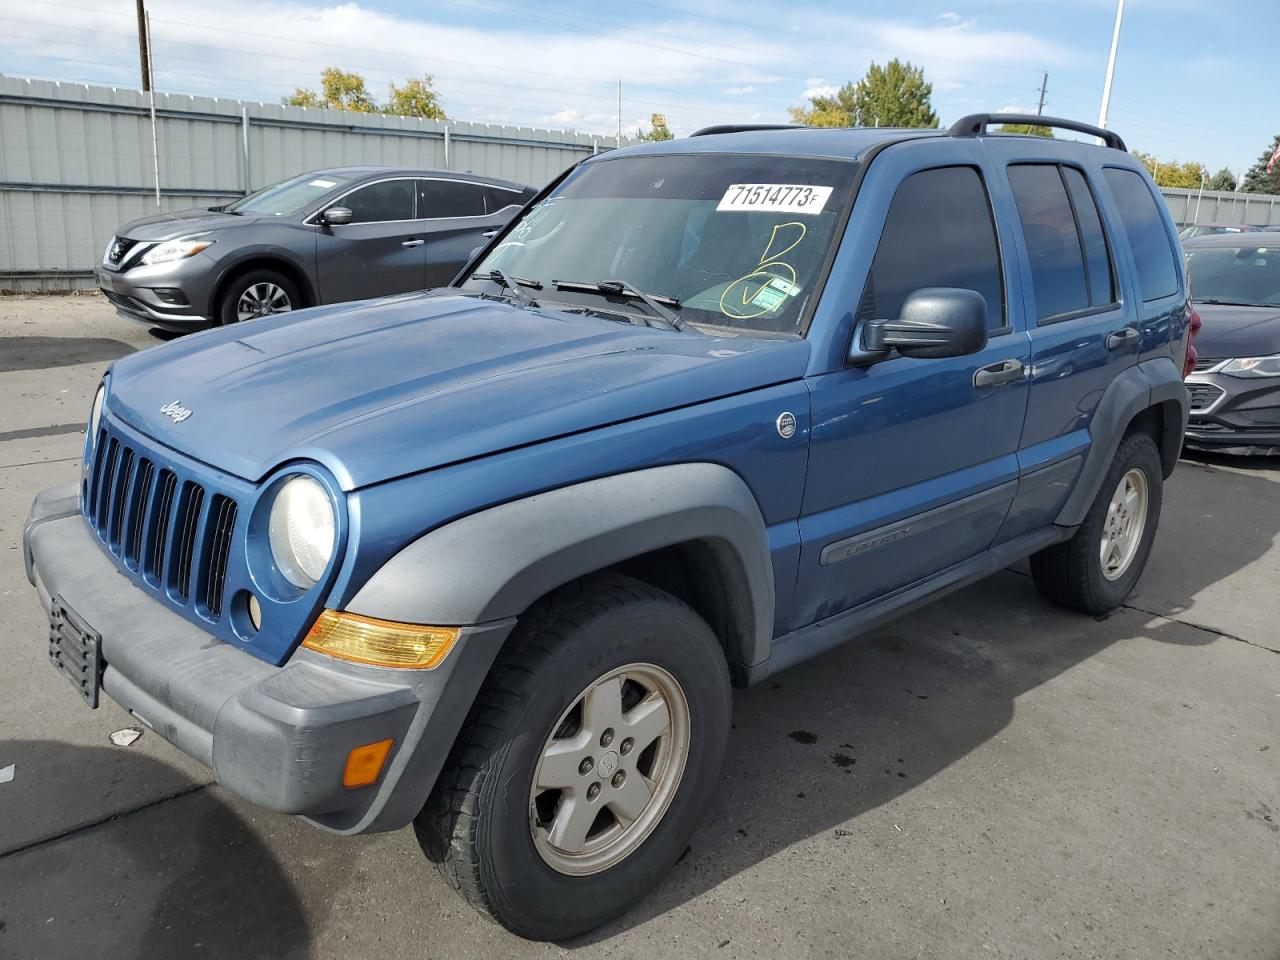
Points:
[(824, 91), (738, 91)]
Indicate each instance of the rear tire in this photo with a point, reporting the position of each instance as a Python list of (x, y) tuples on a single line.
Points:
[(257, 293), (1096, 570), (492, 825)]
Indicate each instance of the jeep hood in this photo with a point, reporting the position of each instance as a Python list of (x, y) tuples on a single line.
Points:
[(383, 388)]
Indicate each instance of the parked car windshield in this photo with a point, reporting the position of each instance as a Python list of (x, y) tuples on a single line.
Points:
[(1249, 276), (288, 196), (736, 242)]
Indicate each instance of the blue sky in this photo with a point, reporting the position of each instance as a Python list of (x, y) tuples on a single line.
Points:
[(1191, 80)]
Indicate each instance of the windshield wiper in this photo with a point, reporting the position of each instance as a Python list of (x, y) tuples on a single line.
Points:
[(1225, 303), (514, 284), (621, 288)]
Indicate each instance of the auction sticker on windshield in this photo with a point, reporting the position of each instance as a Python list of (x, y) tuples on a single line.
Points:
[(775, 198)]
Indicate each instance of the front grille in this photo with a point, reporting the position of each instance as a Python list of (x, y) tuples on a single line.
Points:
[(1204, 363), (1203, 396), (120, 301), (169, 530), (119, 249)]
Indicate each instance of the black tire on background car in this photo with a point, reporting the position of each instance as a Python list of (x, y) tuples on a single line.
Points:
[(541, 754), (257, 293), (1096, 570)]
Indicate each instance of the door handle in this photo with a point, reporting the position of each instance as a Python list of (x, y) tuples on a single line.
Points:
[(1121, 338), (413, 243), (1006, 371)]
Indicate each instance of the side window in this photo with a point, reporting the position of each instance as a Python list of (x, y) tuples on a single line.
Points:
[(495, 199), (1143, 225), (1097, 255), (1053, 242), (379, 202), (939, 233), (439, 199)]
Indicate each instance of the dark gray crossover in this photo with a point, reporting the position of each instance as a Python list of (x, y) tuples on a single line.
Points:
[(1235, 388), (323, 237)]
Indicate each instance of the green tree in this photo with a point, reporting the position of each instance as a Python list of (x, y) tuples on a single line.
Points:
[(417, 98), (1256, 178), (1224, 179), (339, 90), (658, 129), (1034, 129), (895, 95), (1171, 173)]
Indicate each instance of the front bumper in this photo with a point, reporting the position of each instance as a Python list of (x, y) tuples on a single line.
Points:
[(1234, 414), (277, 736), (132, 292)]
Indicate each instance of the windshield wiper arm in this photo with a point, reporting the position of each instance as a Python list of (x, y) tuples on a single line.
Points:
[(1225, 303), (514, 284), (621, 288)]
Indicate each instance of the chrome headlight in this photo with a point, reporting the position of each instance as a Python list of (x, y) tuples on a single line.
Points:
[(95, 414), (178, 249), (1253, 367), (301, 530)]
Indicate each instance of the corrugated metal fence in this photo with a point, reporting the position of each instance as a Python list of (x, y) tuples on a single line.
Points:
[(76, 162), (1213, 206)]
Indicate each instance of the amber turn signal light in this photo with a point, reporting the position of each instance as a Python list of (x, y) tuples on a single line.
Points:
[(382, 643), (364, 764)]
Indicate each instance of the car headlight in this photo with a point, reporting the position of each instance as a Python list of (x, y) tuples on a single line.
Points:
[(178, 249), (1253, 367), (95, 414), (301, 530)]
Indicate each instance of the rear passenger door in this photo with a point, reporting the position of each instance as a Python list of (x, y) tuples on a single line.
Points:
[(912, 462), (459, 214), (1083, 331)]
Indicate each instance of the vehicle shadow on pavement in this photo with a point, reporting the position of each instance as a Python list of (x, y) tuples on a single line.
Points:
[(181, 877), (849, 732), (43, 353)]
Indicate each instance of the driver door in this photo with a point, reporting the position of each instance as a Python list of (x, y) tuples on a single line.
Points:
[(381, 251), (912, 462)]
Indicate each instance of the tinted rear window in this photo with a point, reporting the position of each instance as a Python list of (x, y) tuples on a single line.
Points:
[(439, 199), (1053, 244), (1143, 225)]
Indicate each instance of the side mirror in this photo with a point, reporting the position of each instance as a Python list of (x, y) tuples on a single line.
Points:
[(336, 216), (934, 322)]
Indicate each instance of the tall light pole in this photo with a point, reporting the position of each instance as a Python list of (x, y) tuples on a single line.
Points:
[(1111, 66)]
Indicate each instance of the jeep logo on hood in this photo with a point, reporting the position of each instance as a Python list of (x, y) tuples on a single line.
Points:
[(175, 411)]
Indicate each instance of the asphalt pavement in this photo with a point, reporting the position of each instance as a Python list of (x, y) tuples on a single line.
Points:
[(990, 776)]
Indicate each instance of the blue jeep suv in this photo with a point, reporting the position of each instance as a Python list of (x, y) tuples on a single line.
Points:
[(488, 559)]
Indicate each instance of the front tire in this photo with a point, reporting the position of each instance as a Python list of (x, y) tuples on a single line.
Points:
[(1096, 570), (257, 293), (586, 762)]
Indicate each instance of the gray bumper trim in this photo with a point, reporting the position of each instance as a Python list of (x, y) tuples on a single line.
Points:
[(277, 736)]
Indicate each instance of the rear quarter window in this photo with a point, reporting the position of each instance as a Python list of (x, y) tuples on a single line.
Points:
[(1152, 250)]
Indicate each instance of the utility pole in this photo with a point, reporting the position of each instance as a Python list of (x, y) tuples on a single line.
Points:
[(619, 141), (1044, 84), (144, 54), (151, 92), (1111, 67)]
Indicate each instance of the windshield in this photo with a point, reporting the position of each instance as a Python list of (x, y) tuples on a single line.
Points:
[(734, 242), (1249, 276), (288, 196)]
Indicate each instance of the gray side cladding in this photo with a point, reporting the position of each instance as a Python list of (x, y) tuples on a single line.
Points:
[(496, 563)]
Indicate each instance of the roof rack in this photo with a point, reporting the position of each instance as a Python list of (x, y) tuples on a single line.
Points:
[(976, 124), (743, 128)]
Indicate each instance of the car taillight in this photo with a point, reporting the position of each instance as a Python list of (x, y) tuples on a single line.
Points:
[(1193, 329)]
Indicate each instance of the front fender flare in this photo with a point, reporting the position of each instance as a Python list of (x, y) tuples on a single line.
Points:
[(494, 564)]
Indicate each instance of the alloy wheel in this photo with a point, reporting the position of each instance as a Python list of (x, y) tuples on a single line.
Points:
[(609, 769)]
